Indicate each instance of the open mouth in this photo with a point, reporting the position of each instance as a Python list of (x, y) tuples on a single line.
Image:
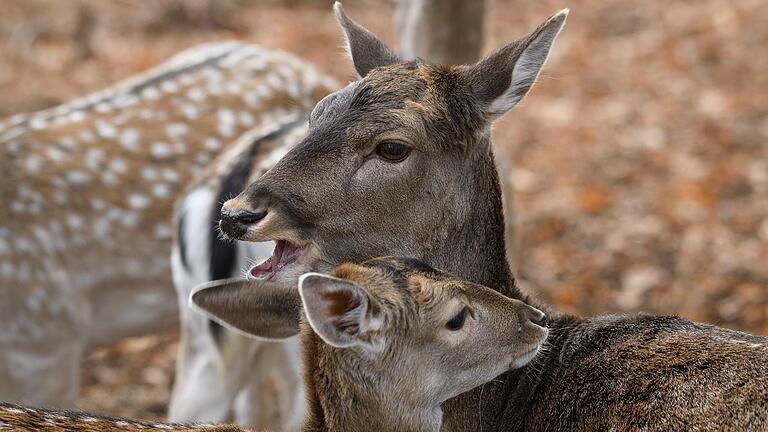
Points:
[(284, 254)]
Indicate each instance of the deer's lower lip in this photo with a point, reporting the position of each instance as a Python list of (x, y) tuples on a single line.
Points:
[(284, 254), (523, 359)]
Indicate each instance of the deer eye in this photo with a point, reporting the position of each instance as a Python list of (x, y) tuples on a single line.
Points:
[(393, 151), (457, 323)]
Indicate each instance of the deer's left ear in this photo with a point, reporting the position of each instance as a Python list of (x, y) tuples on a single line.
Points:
[(259, 309), (340, 312), (501, 80), (367, 50)]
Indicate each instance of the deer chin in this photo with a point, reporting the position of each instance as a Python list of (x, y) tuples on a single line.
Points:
[(523, 358), (288, 262)]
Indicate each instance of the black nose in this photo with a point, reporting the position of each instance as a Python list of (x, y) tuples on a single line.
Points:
[(235, 224), (539, 318)]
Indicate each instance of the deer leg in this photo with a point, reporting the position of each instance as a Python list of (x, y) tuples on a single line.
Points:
[(42, 374), (273, 395)]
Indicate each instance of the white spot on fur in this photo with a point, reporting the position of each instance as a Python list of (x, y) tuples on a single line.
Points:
[(130, 220), (93, 158), (150, 93), (59, 197), (105, 130), (33, 164), (149, 173), (76, 116), (138, 201), (101, 227), (102, 107), (78, 178), (118, 165), (212, 144), (190, 111), (55, 154), (246, 118), (176, 131), (38, 123), (171, 175), (68, 143), (163, 232), (87, 136), (161, 190), (226, 122), (196, 95), (98, 204), (75, 222), (129, 139), (109, 179), (169, 87), (160, 150)]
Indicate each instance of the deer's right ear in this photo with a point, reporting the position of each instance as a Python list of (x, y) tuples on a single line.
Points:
[(339, 311), (366, 50), (501, 80), (257, 309)]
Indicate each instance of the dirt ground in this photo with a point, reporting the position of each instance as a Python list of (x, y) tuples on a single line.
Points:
[(640, 159)]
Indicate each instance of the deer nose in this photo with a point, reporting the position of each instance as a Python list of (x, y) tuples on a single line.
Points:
[(538, 317), (236, 223)]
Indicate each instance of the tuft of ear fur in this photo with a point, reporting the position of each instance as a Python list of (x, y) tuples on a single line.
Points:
[(501, 80), (366, 50), (258, 309), (339, 311)]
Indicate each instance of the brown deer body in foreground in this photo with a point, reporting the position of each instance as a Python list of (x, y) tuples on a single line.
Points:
[(87, 192), (383, 345), (400, 162)]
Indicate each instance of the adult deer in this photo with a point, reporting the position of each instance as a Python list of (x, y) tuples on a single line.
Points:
[(400, 162), (363, 327), (87, 197)]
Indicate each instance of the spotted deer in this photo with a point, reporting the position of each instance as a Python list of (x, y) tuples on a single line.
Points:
[(384, 343), (400, 162), (88, 190)]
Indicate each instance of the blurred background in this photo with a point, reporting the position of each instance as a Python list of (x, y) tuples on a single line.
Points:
[(640, 160)]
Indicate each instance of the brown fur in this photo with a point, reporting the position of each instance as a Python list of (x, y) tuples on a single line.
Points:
[(25, 419), (443, 205)]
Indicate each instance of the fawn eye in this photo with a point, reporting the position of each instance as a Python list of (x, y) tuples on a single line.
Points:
[(393, 151), (456, 323)]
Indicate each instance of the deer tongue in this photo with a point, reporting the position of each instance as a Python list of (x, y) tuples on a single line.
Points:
[(283, 254)]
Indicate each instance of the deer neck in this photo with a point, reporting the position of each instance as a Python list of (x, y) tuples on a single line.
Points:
[(342, 395), (475, 248)]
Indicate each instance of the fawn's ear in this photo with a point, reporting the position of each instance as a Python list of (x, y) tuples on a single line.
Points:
[(258, 309), (501, 80), (366, 49), (339, 311)]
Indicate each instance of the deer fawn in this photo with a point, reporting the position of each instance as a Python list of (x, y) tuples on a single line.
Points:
[(88, 189), (384, 343), (400, 162)]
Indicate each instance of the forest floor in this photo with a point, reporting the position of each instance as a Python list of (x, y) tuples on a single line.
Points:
[(640, 159)]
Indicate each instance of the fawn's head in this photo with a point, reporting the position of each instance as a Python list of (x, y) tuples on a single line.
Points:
[(400, 327), (396, 163)]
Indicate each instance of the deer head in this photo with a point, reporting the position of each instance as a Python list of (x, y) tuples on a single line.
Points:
[(396, 163), (395, 335)]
